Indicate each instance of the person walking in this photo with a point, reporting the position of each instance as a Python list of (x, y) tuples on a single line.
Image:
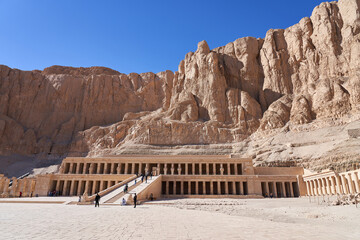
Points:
[(135, 198), (146, 176), (123, 202), (97, 199), (142, 177)]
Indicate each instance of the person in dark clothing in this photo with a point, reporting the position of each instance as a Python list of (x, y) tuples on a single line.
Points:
[(97, 199), (142, 177), (135, 198), (146, 176)]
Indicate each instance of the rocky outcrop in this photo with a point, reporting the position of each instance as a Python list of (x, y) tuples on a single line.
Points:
[(307, 73)]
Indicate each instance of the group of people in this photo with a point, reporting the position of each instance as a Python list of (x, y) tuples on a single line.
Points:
[(54, 193), (123, 202), (146, 176), (126, 189)]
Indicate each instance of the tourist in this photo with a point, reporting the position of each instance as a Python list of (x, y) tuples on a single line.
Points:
[(97, 199), (135, 182), (20, 194), (123, 202), (142, 177), (151, 197), (79, 198), (135, 198), (271, 195), (151, 174), (146, 176)]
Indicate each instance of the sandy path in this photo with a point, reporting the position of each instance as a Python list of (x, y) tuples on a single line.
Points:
[(185, 219)]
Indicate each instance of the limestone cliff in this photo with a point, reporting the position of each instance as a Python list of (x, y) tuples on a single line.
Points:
[(304, 77)]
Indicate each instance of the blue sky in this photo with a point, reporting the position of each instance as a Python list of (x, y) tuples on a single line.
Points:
[(131, 36)]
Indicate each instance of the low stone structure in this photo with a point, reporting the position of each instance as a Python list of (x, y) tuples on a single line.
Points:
[(180, 176), (331, 183)]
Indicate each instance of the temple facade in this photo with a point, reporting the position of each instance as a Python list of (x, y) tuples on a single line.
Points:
[(332, 183), (178, 176)]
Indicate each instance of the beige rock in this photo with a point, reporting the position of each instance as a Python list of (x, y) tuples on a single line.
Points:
[(305, 75)]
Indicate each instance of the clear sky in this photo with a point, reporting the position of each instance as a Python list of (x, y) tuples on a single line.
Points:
[(133, 35)]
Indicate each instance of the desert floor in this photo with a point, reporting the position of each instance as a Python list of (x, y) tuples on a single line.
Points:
[(180, 219)]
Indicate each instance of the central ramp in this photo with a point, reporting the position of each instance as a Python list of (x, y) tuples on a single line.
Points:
[(117, 193), (138, 189)]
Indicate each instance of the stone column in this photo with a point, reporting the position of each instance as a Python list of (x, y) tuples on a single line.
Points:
[(77, 171), (338, 186), (235, 168), (193, 169), (182, 187), (204, 188), (219, 187), (352, 190), (328, 187), (86, 190), (93, 188), (356, 182), (172, 169), (332, 188), (57, 185), (291, 190), (105, 168), (275, 189), (284, 189), (72, 188), (234, 188), (207, 169), (79, 188), (24, 186), (307, 188), (179, 169), (189, 188), (165, 169), (186, 168), (71, 168), (167, 187), (126, 168), (200, 168), (133, 168), (343, 180), (118, 169), (112, 168), (221, 169), (174, 188), (214, 168), (228, 167), (267, 188), (196, 187), (211, 188), (226, 188), (323, 188), (158, 169)]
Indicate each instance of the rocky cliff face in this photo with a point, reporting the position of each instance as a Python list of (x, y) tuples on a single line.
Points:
[(305, 75)]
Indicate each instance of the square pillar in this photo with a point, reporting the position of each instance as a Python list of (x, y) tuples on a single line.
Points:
[(356, 180), (186, 169), (211, 188), (207, 169), (167, 187), (182, 188)]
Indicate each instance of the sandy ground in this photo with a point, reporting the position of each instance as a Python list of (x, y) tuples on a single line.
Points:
[(181, 219)]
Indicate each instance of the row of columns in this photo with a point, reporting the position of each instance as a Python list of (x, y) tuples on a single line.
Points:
[(79, 187), (344, 183), (164, 168), (280, 189), (26, 186), (204, 187), (104, 168)]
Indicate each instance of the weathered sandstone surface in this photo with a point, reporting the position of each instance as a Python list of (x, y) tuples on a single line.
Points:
[(235, 98)]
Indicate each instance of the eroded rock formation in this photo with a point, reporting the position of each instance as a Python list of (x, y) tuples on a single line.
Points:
[(306, 73)]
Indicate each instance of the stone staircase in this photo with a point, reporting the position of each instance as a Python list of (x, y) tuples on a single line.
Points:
[(138, 189), (118, 193)]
